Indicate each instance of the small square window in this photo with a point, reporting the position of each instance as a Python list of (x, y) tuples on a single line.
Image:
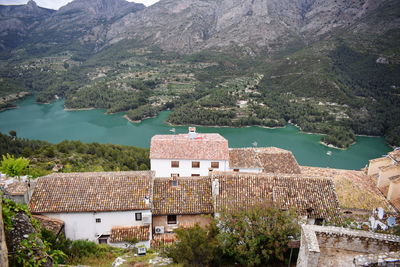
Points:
[(174, 164), (171, 219), (236, 170), (195, 164), (98, 220), (138, 216), (215, 165), (195, 174)]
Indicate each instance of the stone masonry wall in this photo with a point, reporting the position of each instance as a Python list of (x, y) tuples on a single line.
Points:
[(3, 246), (316, 239)]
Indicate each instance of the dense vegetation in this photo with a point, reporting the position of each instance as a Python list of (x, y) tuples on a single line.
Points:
[(242, 238), (74, 156)]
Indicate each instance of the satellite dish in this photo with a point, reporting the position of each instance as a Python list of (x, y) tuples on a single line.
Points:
[(381, 212), (254, 144), (391, 221)]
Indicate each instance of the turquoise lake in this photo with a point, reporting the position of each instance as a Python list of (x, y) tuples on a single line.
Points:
[(52, 123)]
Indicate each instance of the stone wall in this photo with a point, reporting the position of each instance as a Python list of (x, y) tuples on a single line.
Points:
[(335, 246), (3, 246)]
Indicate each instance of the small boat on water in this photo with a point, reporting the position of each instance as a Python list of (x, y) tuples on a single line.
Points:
[(329, 153)]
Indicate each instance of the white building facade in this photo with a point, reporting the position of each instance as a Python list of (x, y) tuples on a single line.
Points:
[(186, 155)]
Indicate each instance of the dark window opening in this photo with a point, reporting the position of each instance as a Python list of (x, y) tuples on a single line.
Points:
[(175, 164), (195, 174), (171, 219), (236, 170), (195, 164), (103, 239), (138, 216), (319, 221), (215, 165), (98, 220)]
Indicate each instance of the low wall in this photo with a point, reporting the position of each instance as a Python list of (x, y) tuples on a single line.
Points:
[(3, 246), (330, 246)]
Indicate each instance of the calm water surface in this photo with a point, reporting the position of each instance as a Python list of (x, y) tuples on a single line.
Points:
[(52, 123)]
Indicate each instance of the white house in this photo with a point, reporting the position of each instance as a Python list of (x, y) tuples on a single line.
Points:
[(103, 207), (189, 154)]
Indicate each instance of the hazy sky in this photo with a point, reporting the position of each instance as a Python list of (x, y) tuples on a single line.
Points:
[(56, 4)]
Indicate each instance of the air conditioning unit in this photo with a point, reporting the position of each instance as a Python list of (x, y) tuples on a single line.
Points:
[(159, 229), (141, 251), (146, 219)]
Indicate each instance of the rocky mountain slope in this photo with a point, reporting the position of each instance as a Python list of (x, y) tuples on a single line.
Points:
[(17, 21), (193, 25)]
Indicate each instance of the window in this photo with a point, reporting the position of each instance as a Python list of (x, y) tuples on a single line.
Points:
[(215, 165), (319, 221), (195, 164), (195, 174), (174, 174), (236, 170), (171, 219), (174, 164), (138, 216), (98, 220)]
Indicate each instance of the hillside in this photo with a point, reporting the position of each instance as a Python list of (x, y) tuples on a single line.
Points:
[(328, 66)]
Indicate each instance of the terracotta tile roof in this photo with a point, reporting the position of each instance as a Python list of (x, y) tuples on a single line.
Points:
[(355, 190), (161, 240), (50, 224), (287, 191), (189, 196), (86, 192), (180, 146), (269, 159), (395, 178), (17, 188), (395, 167), (396, 203), (123, 233)]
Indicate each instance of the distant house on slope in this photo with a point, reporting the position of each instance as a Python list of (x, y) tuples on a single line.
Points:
[(108, 207)]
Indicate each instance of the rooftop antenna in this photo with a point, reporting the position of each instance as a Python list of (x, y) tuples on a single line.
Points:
[(255, 144)]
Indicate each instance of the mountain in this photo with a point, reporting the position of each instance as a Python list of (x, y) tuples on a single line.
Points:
[(329, 66), (17, 21), (193, 25)]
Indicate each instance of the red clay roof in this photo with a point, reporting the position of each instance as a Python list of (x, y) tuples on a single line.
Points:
[(269, 159), (51, 224), (180, 146), (87, 192), (236, 190), (124, 233), (189, 196)]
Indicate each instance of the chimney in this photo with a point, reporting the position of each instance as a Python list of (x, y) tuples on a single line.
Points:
[(192, 133)]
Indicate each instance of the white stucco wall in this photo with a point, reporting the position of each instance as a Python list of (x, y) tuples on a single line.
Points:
[(162, 167), (83, 225), (251, 170)]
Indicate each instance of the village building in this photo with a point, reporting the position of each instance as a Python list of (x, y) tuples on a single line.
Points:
[(263, 159), (181, 202), (188, 155), (314, 199), (108, 207), (386, 172), (195, 154), (323, 246)]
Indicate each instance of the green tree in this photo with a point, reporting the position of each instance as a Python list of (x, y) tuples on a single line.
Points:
[(256, 235), (14, 167), (195, 247)]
